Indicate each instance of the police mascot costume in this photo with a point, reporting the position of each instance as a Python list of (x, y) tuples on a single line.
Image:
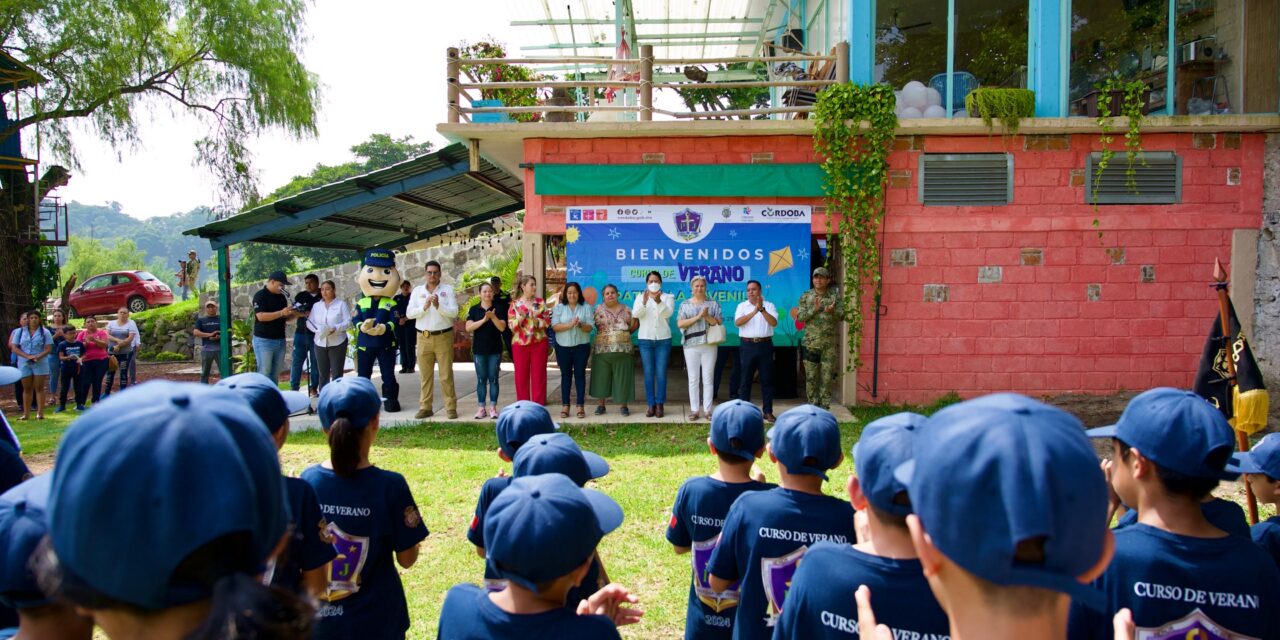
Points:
[(379, 280)]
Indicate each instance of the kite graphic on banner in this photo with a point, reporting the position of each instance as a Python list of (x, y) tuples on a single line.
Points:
[(726, 244)]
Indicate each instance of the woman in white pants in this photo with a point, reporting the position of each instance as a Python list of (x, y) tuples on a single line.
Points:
[(329, 320), (697, 314)]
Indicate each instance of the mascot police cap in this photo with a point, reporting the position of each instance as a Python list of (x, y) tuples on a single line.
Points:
[(380, 258)]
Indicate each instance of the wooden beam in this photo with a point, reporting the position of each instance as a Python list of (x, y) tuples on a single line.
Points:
[(497, 186), (364, 224)]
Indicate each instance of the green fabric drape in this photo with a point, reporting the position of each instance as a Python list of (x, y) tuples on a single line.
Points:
[(725, 180)]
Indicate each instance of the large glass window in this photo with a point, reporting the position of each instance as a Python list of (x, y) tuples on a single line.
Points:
[(1223, 59), (911, 51)]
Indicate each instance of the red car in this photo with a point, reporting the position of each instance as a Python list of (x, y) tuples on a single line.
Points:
[(106, 293)]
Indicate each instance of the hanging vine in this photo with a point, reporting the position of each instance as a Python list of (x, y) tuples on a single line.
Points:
[(1133, 101), (853, 133)]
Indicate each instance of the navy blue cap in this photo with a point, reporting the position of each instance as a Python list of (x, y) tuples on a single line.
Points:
[(542, 527), (380, 258), (741, 420), (9, 375), (992, 472), (279, 276), (1177, 430), (1263, 458), (806, 431), (520, 421), (267, 400), (352, 397), (163, 468), (22, 526), (558, 453), (884, 445)]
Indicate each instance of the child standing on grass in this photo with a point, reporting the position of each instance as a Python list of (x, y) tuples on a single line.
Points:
[(818, 603), (69, 352), (767, 532), (517, 424), (737, 440), (371, 517), (541, 535), (1174, 570), (1262, 469)]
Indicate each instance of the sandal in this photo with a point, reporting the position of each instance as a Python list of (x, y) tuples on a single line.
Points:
[(582, 412), (695, 416), (564, 413), (599, 410)]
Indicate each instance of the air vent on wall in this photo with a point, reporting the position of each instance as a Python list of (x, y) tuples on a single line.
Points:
[(966, 179), (1158, 180)]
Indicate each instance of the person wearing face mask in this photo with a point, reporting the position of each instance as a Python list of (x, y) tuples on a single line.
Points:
[(653, 309)]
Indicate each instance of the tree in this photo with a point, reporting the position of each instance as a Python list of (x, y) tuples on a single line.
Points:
[(89, 257), (107, 63), (379, 151)]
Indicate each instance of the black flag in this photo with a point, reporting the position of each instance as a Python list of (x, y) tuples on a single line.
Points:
[(1213, 381)]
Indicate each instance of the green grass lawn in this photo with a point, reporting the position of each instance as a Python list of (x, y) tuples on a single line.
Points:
[(445, 465)]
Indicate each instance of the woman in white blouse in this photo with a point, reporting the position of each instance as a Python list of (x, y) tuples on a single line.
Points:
[(330, 318), (697, 315), (653, 309)]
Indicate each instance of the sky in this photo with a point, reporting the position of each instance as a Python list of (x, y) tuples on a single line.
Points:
[(382, 67)]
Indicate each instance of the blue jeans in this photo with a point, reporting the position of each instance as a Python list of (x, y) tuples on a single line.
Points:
[(573, 371), (653, 356), (270, 355), (302, 346), (487, 369)]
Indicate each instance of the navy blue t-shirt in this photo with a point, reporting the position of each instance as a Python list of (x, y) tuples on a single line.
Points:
[(595, 579), (765, 535), (1177, 584), (468, 614), (1267, 535), (370, 516), (820, 603), (1223, 514), (306, 550), (70, 349), (696, 518)]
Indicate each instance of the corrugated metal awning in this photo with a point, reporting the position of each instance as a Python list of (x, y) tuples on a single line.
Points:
[(410, 201)]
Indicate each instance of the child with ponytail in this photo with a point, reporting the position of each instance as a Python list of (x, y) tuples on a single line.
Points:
[(369, 516)]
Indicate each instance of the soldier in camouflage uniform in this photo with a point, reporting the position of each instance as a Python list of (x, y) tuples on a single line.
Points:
[(820, 309)]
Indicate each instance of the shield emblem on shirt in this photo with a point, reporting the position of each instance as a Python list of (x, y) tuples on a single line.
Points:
[(1194, 626), (344, 570), (717, 601), (776, 573)]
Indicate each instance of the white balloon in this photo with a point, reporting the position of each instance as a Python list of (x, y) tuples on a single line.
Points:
[(935, 111), (962, 114), (910, 113), (933, 96), (915, 95)]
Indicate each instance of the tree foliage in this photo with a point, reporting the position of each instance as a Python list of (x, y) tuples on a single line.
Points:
[(89, 257), (108, 65), (501, 73), (379, 151)]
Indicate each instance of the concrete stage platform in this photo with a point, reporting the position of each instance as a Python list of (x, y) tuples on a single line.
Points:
[(464, 374)]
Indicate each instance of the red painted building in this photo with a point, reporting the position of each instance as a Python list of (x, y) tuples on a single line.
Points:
[(1028, 296)]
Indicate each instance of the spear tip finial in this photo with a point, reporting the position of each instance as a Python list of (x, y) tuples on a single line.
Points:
[(1219, 274)]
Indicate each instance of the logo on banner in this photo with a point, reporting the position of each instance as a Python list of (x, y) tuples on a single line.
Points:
[(589, 214), (602, 214), (770, 212), (726, 213), (575, 214), (688, 224)]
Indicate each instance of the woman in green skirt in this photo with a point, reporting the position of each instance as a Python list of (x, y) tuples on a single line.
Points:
[(613, 366)]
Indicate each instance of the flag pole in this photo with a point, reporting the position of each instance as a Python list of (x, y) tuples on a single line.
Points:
[(1224, 315)]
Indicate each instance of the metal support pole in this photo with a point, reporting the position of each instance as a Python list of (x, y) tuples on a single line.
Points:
[(646, 82), (951, 57), (224, 309), (452, 76), (862, 39), (842, 62), (1170, 90)]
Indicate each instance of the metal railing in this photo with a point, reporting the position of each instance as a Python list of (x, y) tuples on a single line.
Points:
[(460, 88)]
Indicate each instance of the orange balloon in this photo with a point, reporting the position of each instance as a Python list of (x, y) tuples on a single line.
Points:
[(589, 295)]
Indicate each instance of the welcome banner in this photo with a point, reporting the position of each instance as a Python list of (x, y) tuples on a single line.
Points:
[(726, 244)]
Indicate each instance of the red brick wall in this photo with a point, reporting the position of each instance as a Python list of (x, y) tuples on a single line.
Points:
[(1082, 319)]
